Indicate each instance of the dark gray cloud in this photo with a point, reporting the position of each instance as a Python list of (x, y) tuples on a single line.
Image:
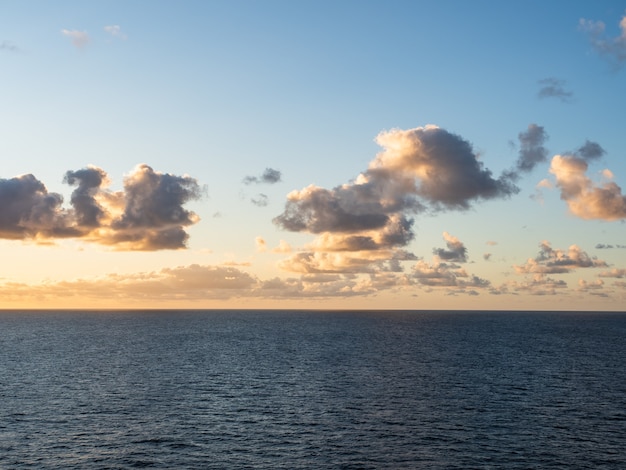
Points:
[(269, 176), (418, 170), (438, 166), (554, 88), (613, 49), (604, 246), (342, 209), (532, 152), (147, 215), (456, 252), (154, 211), (28, 210), (89, 180), (590, 151), (261, 200)]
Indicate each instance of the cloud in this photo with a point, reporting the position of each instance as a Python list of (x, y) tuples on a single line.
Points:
[(261, 245), (539, 284), (584, 198), (615, 272), (557, 261), (456, 252), (194, 282), (437, 166), (89, 180), (269, 176), (308, 262), (362, 226), (261, 200), (147, 215), (603, 246), (590, 151), (153, 217), (613, 49), (115, 31), (8, 46), (554, 88), (79, 38), (440, 274), (283, 247), (532, 152), (28, 210)]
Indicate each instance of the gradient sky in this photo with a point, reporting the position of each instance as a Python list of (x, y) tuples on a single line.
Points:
[(313, 154)]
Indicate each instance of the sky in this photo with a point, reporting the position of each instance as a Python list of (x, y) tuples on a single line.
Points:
[(313, 154)]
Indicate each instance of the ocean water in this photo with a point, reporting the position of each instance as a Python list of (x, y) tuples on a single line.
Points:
[(314, 390)]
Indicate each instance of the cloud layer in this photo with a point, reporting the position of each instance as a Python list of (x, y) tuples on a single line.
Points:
[(147, 215)]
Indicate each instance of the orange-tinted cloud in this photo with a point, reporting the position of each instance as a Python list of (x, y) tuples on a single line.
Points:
[(148, 214), (362, 226), (584, 198)]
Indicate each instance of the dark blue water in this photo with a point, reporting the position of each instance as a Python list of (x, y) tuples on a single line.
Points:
[(312, 390)]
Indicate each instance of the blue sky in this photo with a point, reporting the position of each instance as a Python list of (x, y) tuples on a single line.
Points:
[(234, 108)]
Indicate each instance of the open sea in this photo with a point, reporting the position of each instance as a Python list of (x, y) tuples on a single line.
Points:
[(312, 390)]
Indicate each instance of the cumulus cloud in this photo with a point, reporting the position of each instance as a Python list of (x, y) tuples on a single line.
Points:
[(89, 180), (532, 152), (584, 198), (28, 210), (269, 176), (589, 151), (147, 215), (436, 165), (439, 274), (79, 38), (611, 48), (456, 252), (554, 88), (363, 225), (153, 217), (618, 273), (445, 271), (283, 247), (538, 284), (558, 261)]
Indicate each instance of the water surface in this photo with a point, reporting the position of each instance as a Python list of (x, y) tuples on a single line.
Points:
[(268, 389)]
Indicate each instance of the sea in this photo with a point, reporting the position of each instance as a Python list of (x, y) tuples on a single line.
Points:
[(267, 389)]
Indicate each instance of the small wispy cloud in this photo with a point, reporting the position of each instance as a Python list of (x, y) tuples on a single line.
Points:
[(261, 200), (79, 38), (269, 176), (611, 48), (8, 46), (116, 31), (554, 88)]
